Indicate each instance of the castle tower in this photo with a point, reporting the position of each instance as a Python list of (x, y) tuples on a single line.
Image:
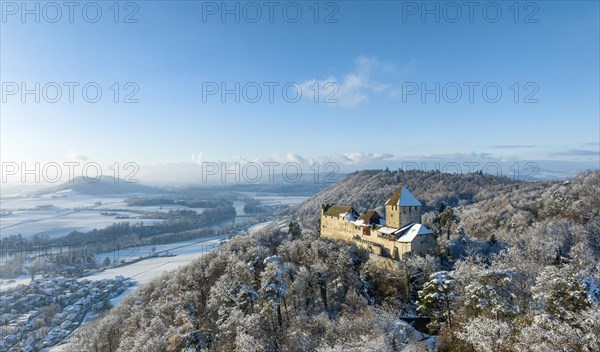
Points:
[(402, 209)]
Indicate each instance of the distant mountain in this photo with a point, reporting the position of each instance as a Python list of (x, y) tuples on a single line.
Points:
[(105, 186)]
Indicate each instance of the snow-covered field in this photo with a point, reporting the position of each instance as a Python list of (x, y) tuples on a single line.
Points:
[(65, 199), (136, 251), (279, 200), (20, 280), (61, 213), (123, 206), (57, 223), (148, 269), (259, 226)]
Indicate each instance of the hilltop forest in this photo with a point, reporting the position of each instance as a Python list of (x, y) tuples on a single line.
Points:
[(520, 272)]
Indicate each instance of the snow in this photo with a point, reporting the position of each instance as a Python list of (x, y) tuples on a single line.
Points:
[(348, 216), (119, 298), (593, 290), (62, 212), (59, 214), (360, 222), (279, 200), (71, 200), (136, 251), (12, 283), (164, 208), (259, 226), (148, 269), (407, 199), (53, 223), (387, 230), (414, 231)]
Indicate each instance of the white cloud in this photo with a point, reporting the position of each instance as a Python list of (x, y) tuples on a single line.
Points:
[(344, 159), (358, 158), (452, 156), (192, 172), (353, 88), (350, 159), (197, 158), (575, 153), (78, 157), (516, 146)]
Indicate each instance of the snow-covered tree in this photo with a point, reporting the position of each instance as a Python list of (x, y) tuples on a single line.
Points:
[(560, 292), (233, 290), (273, 288), (564, 318), (101, 336), (589, 323), (237, 294), (491, 294), (547, 333), (436, 298), (151, 339), (294, 229), (486, 334)]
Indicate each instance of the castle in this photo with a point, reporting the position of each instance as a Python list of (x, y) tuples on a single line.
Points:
[(396, 236)]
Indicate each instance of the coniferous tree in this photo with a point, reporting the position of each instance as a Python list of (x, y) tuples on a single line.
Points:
[(436, 299)]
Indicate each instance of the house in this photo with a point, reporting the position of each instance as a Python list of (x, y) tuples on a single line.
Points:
[(66, 324), (397, 235), (73, 309)]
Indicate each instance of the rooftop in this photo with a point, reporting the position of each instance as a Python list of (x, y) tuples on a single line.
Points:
[(336, 210), (370, 217), (402, 197), (414, 231)]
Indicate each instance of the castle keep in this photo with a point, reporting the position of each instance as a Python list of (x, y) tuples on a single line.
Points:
[(398, 235)]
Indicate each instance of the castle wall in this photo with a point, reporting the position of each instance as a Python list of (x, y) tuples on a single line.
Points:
[(399, 217), (336, 228), (410, 214), (392, 216), (424, 244), (339, 229)]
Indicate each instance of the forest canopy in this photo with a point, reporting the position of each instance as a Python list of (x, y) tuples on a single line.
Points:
[(521, 274)]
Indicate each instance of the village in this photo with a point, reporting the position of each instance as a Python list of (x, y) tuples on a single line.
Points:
[(47, 310)]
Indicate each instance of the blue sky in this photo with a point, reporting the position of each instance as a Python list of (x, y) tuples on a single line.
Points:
[(371, 56)]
